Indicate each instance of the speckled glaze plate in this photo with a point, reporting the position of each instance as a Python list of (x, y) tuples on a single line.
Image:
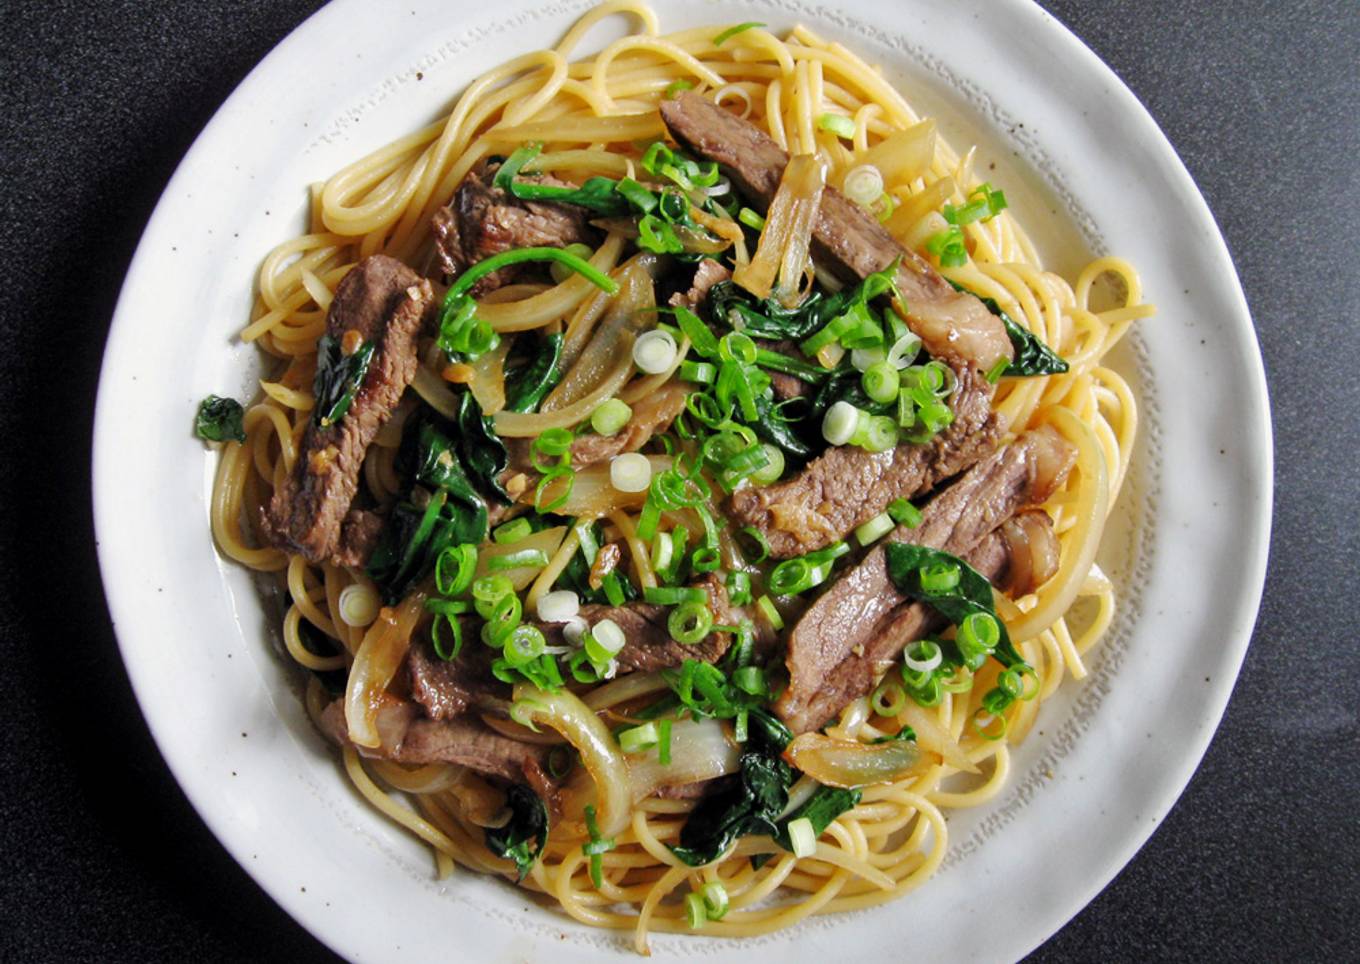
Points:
[(1089, 172)]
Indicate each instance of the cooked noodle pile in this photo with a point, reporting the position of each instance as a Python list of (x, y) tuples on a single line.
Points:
[(591, 114)]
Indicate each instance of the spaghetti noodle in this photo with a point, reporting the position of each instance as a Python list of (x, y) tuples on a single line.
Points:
[(590, 113)]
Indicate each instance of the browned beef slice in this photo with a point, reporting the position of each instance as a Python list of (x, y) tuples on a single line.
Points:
[(483, 220), (857, 673), (386, 303), (465, 741), (861, 608), (847, 486), (446, 689), (846, 239), (706, 275), (358, 535)]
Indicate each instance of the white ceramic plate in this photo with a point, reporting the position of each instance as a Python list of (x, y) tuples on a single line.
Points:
[(1086, 167)]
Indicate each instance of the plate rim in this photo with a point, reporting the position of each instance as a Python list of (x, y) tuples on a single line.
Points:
[(1250, 585)]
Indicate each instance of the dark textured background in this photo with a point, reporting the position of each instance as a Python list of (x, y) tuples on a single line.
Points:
[(103, 857)]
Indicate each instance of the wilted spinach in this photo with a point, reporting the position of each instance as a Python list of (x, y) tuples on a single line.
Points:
[(527, 385), (219, 420), (524, 835), (338, 377)]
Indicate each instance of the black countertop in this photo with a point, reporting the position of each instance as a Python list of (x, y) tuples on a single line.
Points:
[(104, 858)]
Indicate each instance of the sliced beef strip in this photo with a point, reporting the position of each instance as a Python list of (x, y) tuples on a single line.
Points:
[(847, 239), (466, 741), (847, 486), (483, 220), (861, 608), (387, 303), (359, 534), (706, 275), (858, 672), (446, 689)]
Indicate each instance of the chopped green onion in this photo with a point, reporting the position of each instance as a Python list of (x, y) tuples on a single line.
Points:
[(736, 346), (630, 472), (841, 126), (663, 547), (674, 87), (704, 373), (793, 576), (731, 32), (558, 606), (996, 371), (554, 443), (358, 604), (489, 590), (881, 382), (705, 559), (767, 609), (875, 529), (562, 472), (695, 913), (989, 726), (611, 416), (751, 219), (654, 351), (520, 255), (880, 434), (454, 569), (923, 656), (715, 900), (948, 245), (803, 837), (638, 738), (904, 513), (904, 350), (774, 465), (690, 622), (862, 184), (524, 643), (751, 536), (674, 595), (512, 531), (738, 587), (750, 680), (522, 712), (607, 636), (840, 422), (939, 578), (596, 846), (663, 742), (524, 559), (585, 533), (888, 699), (977, 635)]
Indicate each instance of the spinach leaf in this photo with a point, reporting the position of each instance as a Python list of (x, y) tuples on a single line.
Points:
[(773, 427), (523, 837), (598, 194), (824, 806), (338, 377), (749, 807), (413, 537), (526, 386), (767, 319), (220, 419), (1032, 356), (973, 594), (483, 453)]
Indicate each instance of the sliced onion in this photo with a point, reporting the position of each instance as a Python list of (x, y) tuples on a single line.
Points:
[(565, 713), (592, 494), (849, 763), (700, 750), (904, 155), (376, 662), (546, 540), (930, 735), (782, 255)]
